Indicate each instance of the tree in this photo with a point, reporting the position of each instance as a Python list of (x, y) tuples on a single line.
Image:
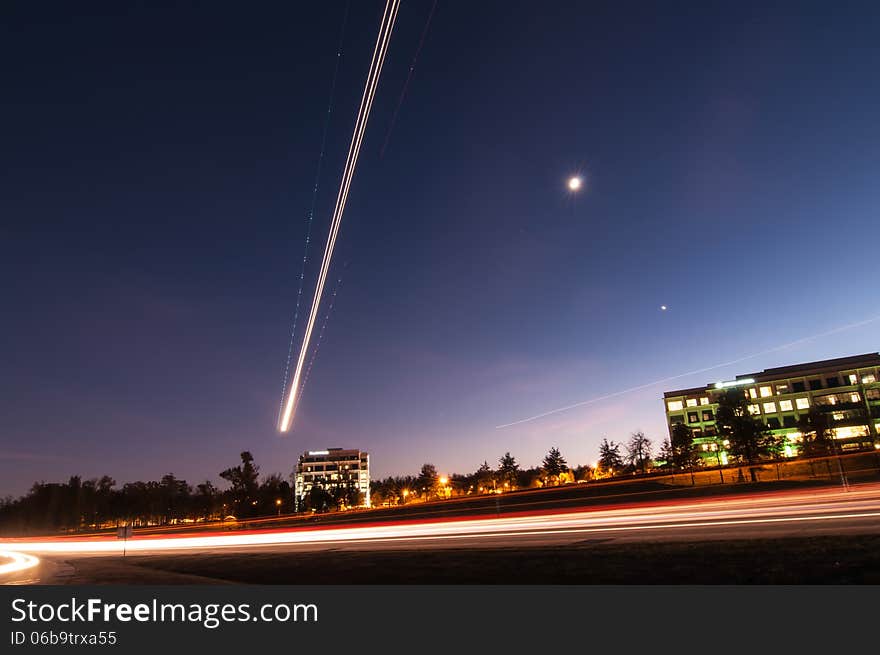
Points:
[(638, 451), (243, 479), (508, 470), (484, 478), (609, 456), (683, 448), (553, 466), (749, 438), (816, 439), (428, 480)]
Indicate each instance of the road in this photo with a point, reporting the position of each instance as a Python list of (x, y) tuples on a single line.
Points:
[(813, 512)]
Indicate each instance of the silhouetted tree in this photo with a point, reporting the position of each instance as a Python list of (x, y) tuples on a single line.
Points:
[(638, 451), (508, 470), (749, 438), (427, 480), (609, 456), (553, 466)]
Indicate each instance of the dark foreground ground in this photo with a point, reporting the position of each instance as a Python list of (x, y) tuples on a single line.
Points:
[(812, 560)]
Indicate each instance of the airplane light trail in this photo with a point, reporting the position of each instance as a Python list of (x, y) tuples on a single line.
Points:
[(19, 562), (597, 399), (386, 26)]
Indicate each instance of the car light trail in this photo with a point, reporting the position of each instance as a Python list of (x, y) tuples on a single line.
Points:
[(379, 52), (794, 509), (20, 562)]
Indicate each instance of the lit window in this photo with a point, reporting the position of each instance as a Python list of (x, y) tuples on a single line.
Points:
[(691, 402), (785, 405), (693, 418), (868, 379), (704, 401), (753, 393), (705, 446), (802, 403), (766, 392), (754, 410), (769, 408), (853, 378), (781, 389), (675, 405), (838, 416), (854, 397)]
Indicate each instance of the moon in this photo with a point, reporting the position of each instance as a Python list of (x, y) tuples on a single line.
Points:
[(575, 183), (663, 308)]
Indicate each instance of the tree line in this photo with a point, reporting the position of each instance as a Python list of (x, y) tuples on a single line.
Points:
[(98, 502)]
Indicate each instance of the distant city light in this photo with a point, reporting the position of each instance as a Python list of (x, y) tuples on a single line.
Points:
[(575, 183), (319, 452)]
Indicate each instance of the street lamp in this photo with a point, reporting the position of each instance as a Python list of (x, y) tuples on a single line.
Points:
[(278, 505)]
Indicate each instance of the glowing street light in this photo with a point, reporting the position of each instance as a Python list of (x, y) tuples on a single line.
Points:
[(278, 505)]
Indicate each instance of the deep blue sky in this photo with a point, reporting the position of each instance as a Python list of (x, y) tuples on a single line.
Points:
[(156, 169)]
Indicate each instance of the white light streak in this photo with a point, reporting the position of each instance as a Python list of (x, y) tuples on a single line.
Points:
[(19, 562), (647, 385), (774, 509), (386, 26)]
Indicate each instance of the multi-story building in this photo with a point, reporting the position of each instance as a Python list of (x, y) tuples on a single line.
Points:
[(331, 468), (847, 388)]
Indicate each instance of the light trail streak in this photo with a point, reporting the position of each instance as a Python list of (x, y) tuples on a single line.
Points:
[(20, 561), (412, 68), (386, 26), (647, 385), (307, 374), (794, 508), (302, 273)]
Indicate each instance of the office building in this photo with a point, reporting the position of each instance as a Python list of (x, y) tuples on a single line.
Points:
[(847, 389), (332, 468)]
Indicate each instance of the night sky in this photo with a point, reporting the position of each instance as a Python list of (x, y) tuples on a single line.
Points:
[(156, 171)]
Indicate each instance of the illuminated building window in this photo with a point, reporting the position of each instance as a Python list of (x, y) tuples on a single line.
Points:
[(691, 402), (754, 410), (850, 432), (781, 389), (675, 405), (693, 418), (705, 446), (868, 379), (853, 378), (872, 394), (802, 403), (705, 401), (769, 408), (856, 398), (785, 405), (766, 392), (753, 393), (708, 415), (838, 416)]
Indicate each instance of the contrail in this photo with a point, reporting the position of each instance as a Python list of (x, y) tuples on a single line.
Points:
[(379, 52), (694, 372)]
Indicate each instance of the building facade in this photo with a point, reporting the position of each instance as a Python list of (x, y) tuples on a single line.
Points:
[(331, 468), (847, 389)]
